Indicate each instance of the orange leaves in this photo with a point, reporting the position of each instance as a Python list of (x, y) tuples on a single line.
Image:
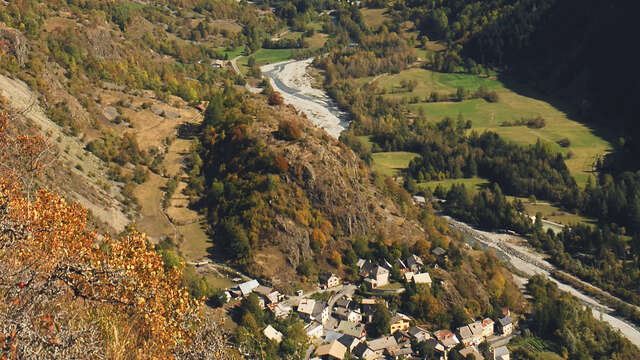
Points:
[(125, 274)]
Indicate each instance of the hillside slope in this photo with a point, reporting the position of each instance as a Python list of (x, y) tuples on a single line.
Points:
[(277, 185)]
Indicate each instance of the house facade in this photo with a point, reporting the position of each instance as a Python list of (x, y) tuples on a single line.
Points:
[(399, 322), (506, 325)]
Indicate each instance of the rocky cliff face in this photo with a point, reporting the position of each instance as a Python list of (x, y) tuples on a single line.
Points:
[(336, 183), (12, 41)]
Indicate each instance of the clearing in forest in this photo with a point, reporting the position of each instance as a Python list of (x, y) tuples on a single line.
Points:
[(391, 163), (584, 146)]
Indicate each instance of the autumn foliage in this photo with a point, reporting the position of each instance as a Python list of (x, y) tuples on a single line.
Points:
[(289, 129), (275, 98), (66, 292)]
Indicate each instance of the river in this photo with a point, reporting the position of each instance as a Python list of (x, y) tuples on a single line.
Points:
[(531, 263), (291, 79)]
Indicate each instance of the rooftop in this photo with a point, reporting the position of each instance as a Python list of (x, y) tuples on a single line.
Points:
[(505, 320), (334, 349), (384, 342), (247, 287), (500, 351), (350, 328), (306, 306)]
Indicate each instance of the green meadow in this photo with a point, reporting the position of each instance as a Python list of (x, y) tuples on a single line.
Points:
[(584, 147)]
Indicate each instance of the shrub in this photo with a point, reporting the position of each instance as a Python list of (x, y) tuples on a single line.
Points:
[(275, 98), (289, 130), (492, 97), (565, 142)]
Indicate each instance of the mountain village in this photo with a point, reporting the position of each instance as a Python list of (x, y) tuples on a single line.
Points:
[(337, 327)]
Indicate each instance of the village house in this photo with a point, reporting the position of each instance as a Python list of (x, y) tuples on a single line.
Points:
[(439, 252), (401, 352), (279, 310), (501, 353), (465, 334), (380, 345), (320, 312), (329, 280), (363, 352), (352, 328), (343, 302), (477, 330), (367, 308), (267, 293), (422, 278), (414, 263), (314, 330), (446, 338), (419, 200), (218, 64), (487, 327), (419, 333), (360, 263), (399, 322), (408, 276), (506, 325), (368, 305), (246, 288), (272, 334), (332, 351), (471, 350), (366, 267), (347, 314), (350, 342), (305, 308), (378, 277)]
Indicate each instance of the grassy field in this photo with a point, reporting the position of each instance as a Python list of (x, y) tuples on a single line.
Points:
[(232, 53), (265, 56), (585, 145), (373, 17), (474, 183), (317, 40), (391, 163), (219, 282), (553, 213)]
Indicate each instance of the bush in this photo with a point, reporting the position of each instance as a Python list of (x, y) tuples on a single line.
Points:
[(564, 142), (290, 130), (275, 98), (492, 97)]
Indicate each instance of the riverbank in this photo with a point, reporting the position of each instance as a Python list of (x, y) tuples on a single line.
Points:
[(291, 79), (532, 263)]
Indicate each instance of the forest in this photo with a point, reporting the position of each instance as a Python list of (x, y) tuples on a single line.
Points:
[(448, 150)]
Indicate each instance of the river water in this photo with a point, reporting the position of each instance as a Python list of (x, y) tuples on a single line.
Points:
[(291, 79)]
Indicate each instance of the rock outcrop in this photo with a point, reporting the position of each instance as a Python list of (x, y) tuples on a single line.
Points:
[(12, 41)]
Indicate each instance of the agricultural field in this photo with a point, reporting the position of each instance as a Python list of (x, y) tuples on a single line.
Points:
[(392, 163), (474, 183), (536, 345), (265, 56), (231, 53), (584, 146), (553, 213)]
